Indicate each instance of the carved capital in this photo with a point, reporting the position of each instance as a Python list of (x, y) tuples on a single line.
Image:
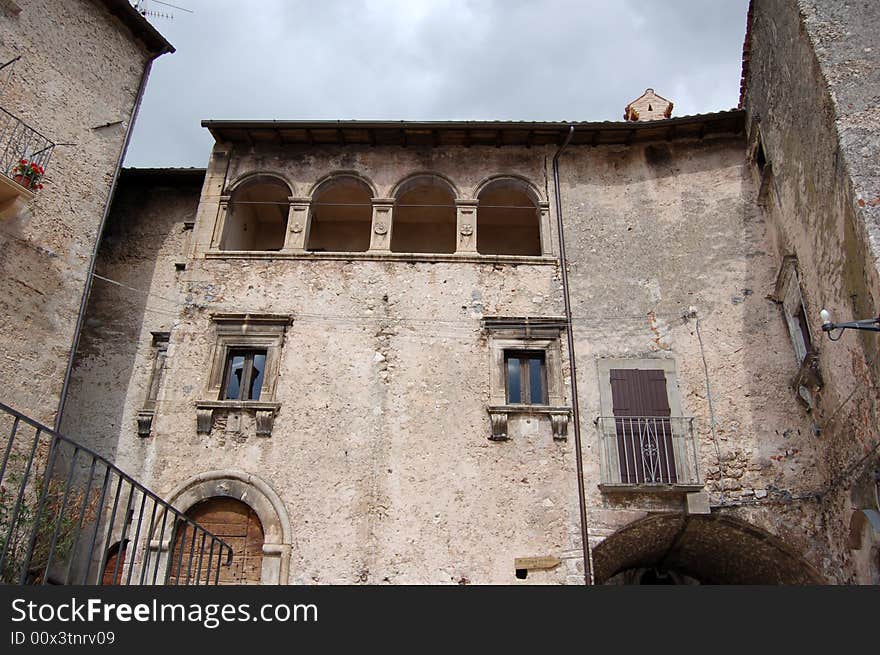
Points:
[(499, 426)]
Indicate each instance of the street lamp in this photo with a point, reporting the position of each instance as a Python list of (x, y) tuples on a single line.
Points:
[(871, 324)]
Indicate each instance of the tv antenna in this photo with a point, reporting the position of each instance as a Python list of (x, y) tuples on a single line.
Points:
[(142, 7)]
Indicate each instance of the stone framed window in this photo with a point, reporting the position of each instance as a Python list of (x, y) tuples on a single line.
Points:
[(525, 375), (244, 370), (788, 293)]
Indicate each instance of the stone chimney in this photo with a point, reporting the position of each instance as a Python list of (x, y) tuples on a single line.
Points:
[(648, 107)]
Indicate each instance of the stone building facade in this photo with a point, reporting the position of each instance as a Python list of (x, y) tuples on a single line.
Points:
[(69, 90), (390, 352)]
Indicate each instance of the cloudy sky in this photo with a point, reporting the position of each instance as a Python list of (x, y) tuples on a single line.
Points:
[(429, 60)]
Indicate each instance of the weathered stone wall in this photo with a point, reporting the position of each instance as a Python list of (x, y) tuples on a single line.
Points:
[(670, 259), (379, 452), (145, 237), (76, 83), (812, 75)]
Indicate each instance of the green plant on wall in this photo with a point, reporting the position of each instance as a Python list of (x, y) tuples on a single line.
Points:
[(58, 520)]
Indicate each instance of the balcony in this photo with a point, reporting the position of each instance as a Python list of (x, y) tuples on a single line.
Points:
[(649, 453), (68, 516), (18, 142)]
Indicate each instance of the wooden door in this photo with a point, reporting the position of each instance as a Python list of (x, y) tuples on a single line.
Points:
[(644, 431), (234, 522), (114, 555)]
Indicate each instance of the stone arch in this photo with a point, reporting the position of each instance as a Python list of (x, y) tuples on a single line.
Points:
[(525, 182), (329, 177), (711, 549), (403, 183), (251, 176), (259, 496)]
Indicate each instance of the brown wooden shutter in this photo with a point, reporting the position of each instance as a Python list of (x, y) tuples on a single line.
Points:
[(644, 432)]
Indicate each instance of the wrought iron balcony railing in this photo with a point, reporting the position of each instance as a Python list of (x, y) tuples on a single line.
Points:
[(648, 450), (19, 141), (68, 516)]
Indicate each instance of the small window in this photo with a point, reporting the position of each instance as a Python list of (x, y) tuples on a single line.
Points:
[(525, 377), (760, 157), (244, 373), (790, 295)]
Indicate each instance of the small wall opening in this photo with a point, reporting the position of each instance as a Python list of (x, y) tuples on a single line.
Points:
[(760, 157), (342, 214), (256, 218), (424, 217), (115, 565), (508, 220)]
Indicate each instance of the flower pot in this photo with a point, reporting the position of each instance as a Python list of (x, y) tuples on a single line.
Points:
[(22, 180)]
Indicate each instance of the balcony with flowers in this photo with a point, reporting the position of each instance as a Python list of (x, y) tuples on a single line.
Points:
[(24, 157)]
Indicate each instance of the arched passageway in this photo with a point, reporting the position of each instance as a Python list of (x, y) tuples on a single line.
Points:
[(681, 549)]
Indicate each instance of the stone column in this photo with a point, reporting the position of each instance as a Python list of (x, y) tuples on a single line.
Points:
[(547, 245), (298, 224), (380, 237), (220, 223), (211, 213), (466, 227)]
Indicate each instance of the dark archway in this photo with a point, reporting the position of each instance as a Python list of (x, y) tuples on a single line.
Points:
[(682, 549)]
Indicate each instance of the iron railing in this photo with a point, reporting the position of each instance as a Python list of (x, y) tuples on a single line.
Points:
[(648, 450), (69, 516), (19, 141)]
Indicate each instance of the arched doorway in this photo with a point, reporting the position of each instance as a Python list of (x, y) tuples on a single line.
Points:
[(235, 523), (682, 549), (115, 563), (259, 496)]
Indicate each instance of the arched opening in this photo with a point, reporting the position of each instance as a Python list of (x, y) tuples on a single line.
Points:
[(115, 563), (508, 220), (341, 216), (266, 503), (424, 217), (234, 522), (682, 549), (256, 217)]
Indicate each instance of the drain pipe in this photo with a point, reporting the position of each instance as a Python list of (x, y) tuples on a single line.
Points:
[(579, 457), (87, 292)]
